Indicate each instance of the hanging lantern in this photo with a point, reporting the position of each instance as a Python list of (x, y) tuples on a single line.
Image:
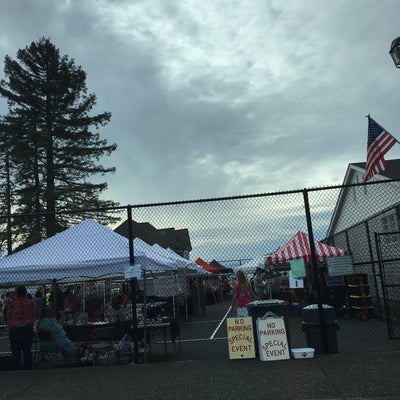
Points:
[(395, 52)]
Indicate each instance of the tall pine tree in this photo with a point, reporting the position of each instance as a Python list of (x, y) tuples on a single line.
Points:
[(53, 140), (5, 192)]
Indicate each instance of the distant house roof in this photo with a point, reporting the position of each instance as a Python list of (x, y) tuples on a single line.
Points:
[(392, 171), (183, 239), (165, 237), (176, 239)]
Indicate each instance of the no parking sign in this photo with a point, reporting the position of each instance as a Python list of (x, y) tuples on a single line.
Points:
[(240, 338), (272, 339)]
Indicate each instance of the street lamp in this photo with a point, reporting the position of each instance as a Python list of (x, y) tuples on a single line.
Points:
[(395, 52)]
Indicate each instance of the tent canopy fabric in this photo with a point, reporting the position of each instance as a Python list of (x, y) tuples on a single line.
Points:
[(180, 261), (149, 259), (88, 249), (207, 267), (299, 247)]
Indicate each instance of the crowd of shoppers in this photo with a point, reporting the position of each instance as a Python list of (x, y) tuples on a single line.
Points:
[(26, 316)]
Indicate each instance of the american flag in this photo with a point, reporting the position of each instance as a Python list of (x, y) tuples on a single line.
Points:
[(380, 141)]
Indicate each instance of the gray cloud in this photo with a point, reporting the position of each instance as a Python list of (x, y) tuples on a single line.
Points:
[(218, 98)]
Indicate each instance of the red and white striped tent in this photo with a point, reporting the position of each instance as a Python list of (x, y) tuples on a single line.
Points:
[(299, 247)]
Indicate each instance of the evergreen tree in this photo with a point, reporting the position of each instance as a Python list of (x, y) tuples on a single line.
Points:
[(5, 192), (53, 140)]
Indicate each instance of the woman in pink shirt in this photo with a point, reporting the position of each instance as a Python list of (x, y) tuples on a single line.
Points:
[(20, 320), (242, 294)]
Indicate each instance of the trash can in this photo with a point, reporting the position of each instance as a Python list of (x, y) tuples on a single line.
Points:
[(258, 308), (6, 362), (312, 328)]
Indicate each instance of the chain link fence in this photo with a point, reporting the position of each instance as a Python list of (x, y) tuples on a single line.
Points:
[(237, 233)]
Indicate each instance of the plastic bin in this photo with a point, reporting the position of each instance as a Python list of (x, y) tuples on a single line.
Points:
[(311, 313), (258, 308), (296, 309), (312, 328)]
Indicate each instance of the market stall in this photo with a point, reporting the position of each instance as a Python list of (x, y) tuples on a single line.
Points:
[(297, 248), (93, 258)]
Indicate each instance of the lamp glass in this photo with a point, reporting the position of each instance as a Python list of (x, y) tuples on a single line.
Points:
[(395, 52)]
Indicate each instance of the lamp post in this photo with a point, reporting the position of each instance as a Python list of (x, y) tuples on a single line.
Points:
[(395, 52)]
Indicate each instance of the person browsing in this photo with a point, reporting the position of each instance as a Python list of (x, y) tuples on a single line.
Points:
[(20, 320), (49, 324), (243, 294), (259, 284)]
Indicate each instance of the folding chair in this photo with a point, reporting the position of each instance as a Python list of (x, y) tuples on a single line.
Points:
[(46, 348), (175, 331), (101, 346)]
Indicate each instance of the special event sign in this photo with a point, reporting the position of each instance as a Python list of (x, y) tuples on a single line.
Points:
[(272, 339), (240, 338)]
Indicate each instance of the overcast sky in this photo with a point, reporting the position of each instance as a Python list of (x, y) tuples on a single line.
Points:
[(214, 98)]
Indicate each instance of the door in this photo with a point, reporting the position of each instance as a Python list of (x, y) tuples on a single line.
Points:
[(388, 251)]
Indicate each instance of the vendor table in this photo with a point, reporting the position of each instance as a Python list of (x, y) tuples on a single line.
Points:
[(79, 333), (154, 326)]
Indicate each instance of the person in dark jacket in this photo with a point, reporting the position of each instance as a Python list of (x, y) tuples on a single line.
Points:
[(20, 320)]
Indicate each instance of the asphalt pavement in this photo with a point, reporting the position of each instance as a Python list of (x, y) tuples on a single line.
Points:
[(361, 376)]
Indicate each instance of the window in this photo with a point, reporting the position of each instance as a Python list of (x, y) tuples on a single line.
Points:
[(389, 224)]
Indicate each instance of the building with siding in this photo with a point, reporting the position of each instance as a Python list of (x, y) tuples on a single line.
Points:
[(365, 221)]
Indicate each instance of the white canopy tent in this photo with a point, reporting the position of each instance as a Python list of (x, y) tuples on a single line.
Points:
[(181, 261), (167, 282), (86, 250), (149, 259)]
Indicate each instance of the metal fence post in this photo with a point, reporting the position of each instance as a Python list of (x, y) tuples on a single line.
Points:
[(133, 288), (314, 264), (374, 273)]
